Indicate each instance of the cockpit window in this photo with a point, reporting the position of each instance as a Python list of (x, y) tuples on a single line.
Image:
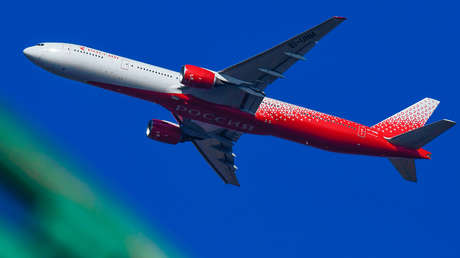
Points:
[(40, 44)]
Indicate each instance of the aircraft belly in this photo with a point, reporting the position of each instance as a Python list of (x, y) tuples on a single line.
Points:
[(311, 132)]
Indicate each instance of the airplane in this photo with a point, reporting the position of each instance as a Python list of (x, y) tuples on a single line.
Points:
[(214, 108)]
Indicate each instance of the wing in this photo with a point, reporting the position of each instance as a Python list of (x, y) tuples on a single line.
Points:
[(216, 146), (220, 157), (266, 67)]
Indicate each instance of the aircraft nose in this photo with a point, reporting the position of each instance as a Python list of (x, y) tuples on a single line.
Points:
[(32, 53)]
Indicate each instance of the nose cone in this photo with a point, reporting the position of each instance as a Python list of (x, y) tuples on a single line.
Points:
[(32, 53)]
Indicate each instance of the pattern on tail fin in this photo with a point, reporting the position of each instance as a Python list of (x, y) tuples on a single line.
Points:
[(409, 119)]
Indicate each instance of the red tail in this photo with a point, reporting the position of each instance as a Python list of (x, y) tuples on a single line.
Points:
[(409, 119)]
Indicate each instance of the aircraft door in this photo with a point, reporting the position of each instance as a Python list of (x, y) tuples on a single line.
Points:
[(125, 65), (361, 131), (66, 49)]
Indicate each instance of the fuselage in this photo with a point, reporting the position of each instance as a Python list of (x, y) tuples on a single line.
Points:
[(163, 86)]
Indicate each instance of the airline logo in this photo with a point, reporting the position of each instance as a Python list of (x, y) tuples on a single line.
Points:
[(213, 118)]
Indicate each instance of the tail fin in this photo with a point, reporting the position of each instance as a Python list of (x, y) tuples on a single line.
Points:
[(417, 138), (409, 119)]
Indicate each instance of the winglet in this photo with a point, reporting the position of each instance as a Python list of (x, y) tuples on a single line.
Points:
[(339, 18)]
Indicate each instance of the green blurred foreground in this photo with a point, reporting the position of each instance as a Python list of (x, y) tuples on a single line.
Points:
[(55, 213)]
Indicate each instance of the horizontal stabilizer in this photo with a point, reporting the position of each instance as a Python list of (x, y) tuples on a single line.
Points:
[(417, 138), (405, 167)]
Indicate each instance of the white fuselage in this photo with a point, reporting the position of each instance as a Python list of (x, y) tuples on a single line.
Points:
[(85, 64)]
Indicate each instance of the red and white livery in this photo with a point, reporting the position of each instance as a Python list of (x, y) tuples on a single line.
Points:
[(214, 108)]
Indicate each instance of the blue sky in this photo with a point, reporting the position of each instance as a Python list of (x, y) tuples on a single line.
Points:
[(294, 201)]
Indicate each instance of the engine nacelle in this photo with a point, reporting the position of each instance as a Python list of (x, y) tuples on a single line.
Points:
[(164, 131), (197, 77)]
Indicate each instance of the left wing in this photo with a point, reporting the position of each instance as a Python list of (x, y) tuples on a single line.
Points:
[(264, 68), (216, 146)]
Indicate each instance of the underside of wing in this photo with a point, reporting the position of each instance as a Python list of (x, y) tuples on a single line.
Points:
[(215, 144), (220, 157)]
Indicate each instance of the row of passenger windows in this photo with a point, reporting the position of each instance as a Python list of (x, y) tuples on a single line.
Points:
[(330, 120), (91, 54), (153, 71), (138, 67)]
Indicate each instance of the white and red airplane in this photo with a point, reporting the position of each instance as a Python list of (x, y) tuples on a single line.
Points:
[(213, 109)]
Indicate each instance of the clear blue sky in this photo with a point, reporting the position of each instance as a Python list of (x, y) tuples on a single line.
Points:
[(294, 201)]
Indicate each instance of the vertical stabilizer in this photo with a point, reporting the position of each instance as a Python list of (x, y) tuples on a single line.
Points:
[(409, 119)]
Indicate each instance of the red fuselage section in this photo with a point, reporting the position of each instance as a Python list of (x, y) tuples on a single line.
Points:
[(282, 120)]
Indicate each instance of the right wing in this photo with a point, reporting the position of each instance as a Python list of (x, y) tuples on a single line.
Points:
[(264, 68)]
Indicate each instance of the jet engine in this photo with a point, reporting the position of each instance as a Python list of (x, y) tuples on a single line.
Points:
[(164, 131), (197, 77)]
